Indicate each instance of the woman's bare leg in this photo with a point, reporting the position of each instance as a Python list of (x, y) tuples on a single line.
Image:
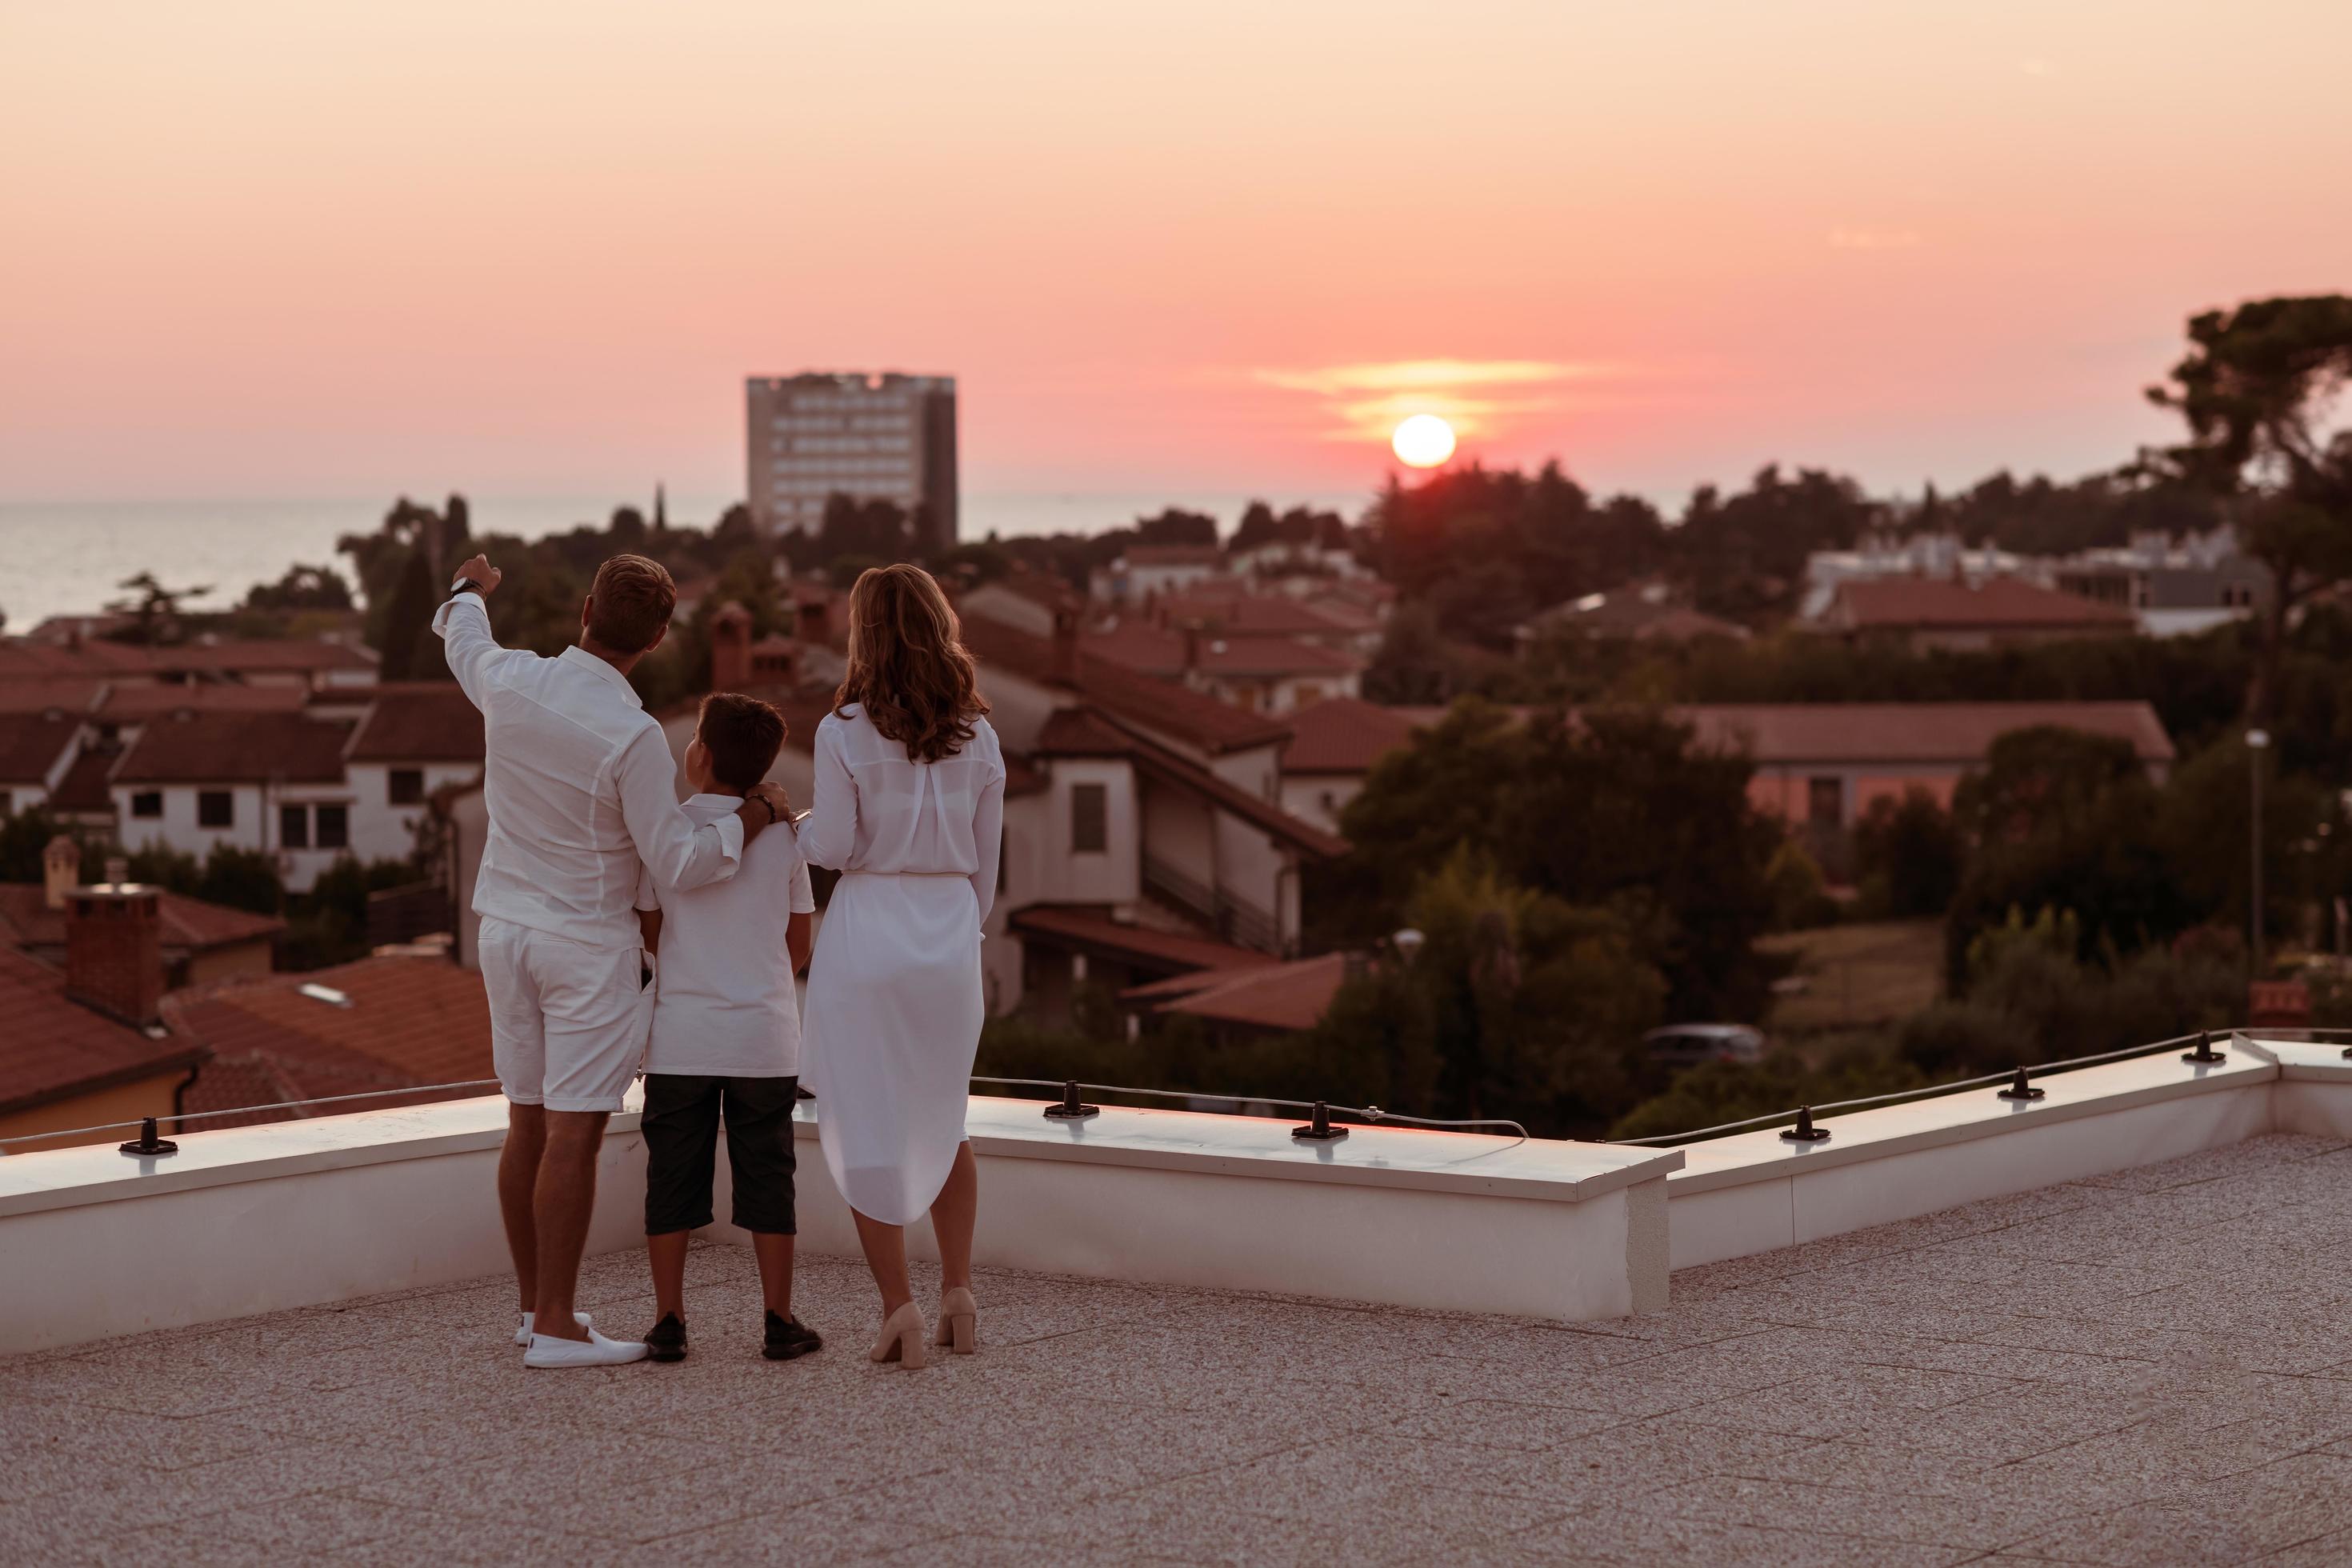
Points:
[(886, 1254), (953, 1214)]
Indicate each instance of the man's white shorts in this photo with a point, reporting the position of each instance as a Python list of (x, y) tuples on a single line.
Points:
[(568, 1021)]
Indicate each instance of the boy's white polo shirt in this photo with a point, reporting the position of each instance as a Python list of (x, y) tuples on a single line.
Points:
[(724, 1003)]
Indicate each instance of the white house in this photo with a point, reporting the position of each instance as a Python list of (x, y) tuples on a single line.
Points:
[(412, 738), (1154, 571), (266, 781)]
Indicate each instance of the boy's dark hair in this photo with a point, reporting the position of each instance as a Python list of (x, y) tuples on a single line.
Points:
[(742, 735), (630, 603)]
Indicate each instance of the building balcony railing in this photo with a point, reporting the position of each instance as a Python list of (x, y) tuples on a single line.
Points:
[(1231, 916)]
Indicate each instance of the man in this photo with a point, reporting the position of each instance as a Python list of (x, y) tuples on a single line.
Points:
[(579, 787)]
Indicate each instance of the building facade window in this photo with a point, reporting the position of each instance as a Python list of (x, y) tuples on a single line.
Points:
[(216, 808), (147, 803), (407, 787), (1089, 817), (334, 827), (1825, 800), (294, 827)]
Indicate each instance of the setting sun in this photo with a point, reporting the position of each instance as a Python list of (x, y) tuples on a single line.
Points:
[(1423, 441)]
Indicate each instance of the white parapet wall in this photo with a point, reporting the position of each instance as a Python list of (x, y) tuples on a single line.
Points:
[(1756, 1190), (95, 1244)]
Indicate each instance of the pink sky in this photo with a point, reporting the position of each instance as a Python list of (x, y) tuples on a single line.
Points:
[(302, 249)]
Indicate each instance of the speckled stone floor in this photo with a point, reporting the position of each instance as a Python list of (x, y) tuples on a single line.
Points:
[(2153, 1367)]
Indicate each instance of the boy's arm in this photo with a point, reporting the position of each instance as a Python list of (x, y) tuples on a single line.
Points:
[(797, 942), (800, 896)]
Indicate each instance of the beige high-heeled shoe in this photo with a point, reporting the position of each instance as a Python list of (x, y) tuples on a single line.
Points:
[(959, 1321), (902, 1339)]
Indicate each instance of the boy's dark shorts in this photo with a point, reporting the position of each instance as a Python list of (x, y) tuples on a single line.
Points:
[(681, 1128)]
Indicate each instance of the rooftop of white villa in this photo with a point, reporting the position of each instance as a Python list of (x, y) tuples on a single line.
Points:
[(2149, 1366)]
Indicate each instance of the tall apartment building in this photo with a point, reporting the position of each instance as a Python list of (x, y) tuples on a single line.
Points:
[(887, 437)]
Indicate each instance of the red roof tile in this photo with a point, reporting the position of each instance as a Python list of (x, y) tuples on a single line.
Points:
[(1159, 705), (1897, 602), (133, 702), (1173, 555), (1264, 615), (1081, 733), (95, 658), (211, 748), (185, 922), (1161, 651), (1292, 996), (272, 655), (1093, 931), (1343, 735), (411, 1021), (55, 1049), (40, 693), (426, 722), (33, 744), (83, 787)]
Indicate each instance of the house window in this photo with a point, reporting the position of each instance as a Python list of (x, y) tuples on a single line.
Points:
[(1089, 817), (1825, 802), (216, 808), (407, 787), (294, 827), (147, 803), (334, 827)]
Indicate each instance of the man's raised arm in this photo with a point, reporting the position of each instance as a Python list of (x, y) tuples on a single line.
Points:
[(463, 622)]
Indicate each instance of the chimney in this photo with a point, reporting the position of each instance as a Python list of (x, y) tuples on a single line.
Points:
[(731, 647), (811, 622), (60, 871), (1066, 644), (114, 951)]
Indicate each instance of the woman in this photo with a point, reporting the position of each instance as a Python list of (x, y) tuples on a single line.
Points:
[(909, 806)]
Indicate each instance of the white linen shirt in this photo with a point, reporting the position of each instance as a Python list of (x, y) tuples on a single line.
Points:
[(875, 811), (724, 1001), (580, 789)]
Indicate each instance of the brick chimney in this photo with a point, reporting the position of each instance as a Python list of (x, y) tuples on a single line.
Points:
[(1064, 671), (731, 647), (811, 621), (60, 871), (114, 951)]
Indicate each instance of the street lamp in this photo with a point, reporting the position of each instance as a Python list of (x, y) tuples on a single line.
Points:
[(2257, 742)]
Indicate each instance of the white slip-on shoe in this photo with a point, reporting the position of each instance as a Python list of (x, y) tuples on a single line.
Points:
[(594, 1351), (522, 1329)]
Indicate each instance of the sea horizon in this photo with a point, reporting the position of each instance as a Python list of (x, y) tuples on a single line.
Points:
[(70, 557)]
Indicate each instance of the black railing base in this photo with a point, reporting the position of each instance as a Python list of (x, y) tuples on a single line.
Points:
[(2204, 1052), (1070, 1110), (147, 1143), (1804, 1132), (2021, 1089), (1320, 1129)]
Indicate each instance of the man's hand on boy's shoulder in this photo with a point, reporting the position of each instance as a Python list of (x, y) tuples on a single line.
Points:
[(766, 803)]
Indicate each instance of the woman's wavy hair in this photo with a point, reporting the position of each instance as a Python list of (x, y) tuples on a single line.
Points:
[(908, 663)]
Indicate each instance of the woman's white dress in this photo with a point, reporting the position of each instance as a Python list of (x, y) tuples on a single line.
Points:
[(895, 1003)]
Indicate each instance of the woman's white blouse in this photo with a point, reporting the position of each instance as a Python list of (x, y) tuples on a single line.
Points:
[(875, 811)]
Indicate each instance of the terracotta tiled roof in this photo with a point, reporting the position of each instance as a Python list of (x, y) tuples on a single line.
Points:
[(33, 744), (1160, 705), (1292, 996), (40, 693), (1173, 555), (411, 1021), (1897, 602), (1264, 615), (187, 923), (1632, 613), (96, 659), (1161, 651), (54, 1049), (1959, 733), (83, 787), (424, 722), (272, 655), (211, 748), (1343, 735), (1092, 930), (1156, 760), (1081, 733), (133, 702)]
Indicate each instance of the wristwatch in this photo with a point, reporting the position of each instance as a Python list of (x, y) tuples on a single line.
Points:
[(464, 584)]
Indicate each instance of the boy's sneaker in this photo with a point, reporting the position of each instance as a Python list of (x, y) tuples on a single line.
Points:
[(788, 1338), (667, 1341)]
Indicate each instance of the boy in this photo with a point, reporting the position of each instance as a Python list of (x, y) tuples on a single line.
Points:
[(726, 1033)]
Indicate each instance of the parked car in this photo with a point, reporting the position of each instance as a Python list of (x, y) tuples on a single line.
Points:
[(1687, 1045)]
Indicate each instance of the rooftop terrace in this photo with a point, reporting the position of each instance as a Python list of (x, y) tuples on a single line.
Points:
[(2143, 1367)]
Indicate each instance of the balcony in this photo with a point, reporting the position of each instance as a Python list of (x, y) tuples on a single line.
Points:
[(2095, 1327), (1232, 917)]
